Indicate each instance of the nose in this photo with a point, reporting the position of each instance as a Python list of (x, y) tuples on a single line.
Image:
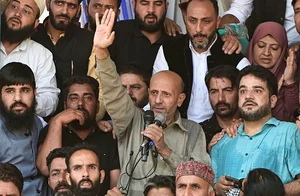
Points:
[(17, 96), (158, 98), (85, 173), (150, 8), (199, 27), (62, 177), (221, 96), (249, 94), (187, 192), (128, 90), (266, 51), (64, 9)]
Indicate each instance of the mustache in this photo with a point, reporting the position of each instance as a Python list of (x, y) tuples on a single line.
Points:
[(81, 108), (85, 180), (16, 18), (62, 184), (151, 15), (246, 102), (18, 103), (223, 103), (199, 35), (63, 15)]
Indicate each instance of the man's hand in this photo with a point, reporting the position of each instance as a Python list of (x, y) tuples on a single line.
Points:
[(114, 192), (67, 116), (291, 67), (104, 36), (215, 140), (171, 27), (156, 134), (233, 129), (223, 186), (106, 126), (231, 44)]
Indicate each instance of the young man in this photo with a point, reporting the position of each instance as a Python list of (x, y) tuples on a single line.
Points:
[(11, 180), (20, 127), (57, 180), (85, 176), (19, 20), (262, 141), (77, 124)]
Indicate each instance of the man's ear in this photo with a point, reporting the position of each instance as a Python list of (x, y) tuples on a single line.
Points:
[(118, 13), (273, 100), (212, 193), (218, 21), (36, 23), (102, 175), (181, 98), (133, 3), (86, 9)]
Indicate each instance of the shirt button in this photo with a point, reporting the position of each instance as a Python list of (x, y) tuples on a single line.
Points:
[(242, 171), (250, 138), (246, 154), (38, 191)]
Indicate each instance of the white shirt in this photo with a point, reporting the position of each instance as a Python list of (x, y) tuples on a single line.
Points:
[(40, 60), (199, 108), (242, 9)]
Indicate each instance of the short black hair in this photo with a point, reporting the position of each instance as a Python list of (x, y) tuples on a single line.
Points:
[(133, 68), (118, 3), (16, 73), (78, 147), (184, 5), (294, 2), (222, 71), (263, 74), (10, 173), (57, 153), (94, 84), (160, 181)]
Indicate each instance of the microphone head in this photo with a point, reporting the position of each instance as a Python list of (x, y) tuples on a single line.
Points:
[(160, 119), (148, 117)]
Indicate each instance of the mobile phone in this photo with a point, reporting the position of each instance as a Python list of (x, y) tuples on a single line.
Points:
[(237, 183)]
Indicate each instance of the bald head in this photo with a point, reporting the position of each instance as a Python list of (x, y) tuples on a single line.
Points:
[(166, 94)]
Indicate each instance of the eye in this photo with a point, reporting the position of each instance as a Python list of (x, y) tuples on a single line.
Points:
[(243, 91), (93, 167), (261, 44), (158, 3), (212, 92), (73, 98), (182, 186), (275, 47), (154, 92), (72, 6), (192, 20), (26, 90), (55, 174), (167, 94), (257, 91)]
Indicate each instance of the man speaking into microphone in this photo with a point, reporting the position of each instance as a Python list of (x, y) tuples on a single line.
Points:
[(179, 141)]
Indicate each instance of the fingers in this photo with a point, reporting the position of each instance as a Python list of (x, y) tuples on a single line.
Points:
[(114, 192), (231, 44), (105, 126), (171, 27), (223, 186), (154, 132)]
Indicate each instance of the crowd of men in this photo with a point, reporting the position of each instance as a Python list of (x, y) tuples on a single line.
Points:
[(123, 108)]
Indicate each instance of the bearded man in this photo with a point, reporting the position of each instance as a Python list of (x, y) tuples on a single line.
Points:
[(20, 127), (18, 22), (77, 124)]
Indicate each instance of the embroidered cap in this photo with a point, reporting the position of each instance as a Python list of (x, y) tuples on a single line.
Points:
[(196, 169)]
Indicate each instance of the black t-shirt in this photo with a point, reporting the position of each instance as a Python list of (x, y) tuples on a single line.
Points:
[(131, 46), (108, 149), (210, 127)]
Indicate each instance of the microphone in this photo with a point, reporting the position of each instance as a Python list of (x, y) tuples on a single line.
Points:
[(159, 120), (148, 118)]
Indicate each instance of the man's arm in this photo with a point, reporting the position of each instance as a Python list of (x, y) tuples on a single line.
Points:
[(54, 136), (293, 188), (238, 12), (114, 177), (47, 91), (117, 102)]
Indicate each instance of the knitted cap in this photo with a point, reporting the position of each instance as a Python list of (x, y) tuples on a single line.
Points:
[(196, 169), (41, 5)]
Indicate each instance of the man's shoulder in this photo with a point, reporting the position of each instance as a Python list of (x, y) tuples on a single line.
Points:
[(125, 25), (78, 32)]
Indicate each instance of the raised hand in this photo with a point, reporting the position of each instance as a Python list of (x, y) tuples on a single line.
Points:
[(104, 36), (291, 66)]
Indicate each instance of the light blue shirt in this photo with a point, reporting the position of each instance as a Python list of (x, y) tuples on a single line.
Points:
[(275, 147)]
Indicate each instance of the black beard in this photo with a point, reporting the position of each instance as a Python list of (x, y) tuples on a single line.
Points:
[(64, 193), (14, 36), (150, 28), (93, 191), (15, 121), (63, 184), (263, 111), (59, 26), (92, 22)]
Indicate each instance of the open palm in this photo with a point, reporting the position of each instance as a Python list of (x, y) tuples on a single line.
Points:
[(104, 36)]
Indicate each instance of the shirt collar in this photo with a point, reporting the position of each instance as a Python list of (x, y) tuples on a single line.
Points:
[(21, 47), (271, 122), (45, 25), (178, 121)]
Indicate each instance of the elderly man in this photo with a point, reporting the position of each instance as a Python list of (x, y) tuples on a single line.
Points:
[(175, 142), (194, 179)]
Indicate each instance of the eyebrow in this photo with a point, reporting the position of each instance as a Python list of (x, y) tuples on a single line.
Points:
[(244, 86)]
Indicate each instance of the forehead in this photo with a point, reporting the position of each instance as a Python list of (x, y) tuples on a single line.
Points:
[(252, 81), (68, 1), (80, 89), (131, 78), (200, 9), (219, 82), (8, 188), (84, 157), (164, 82), (268, 39), (106, 2), (19, 86), (191, 179), (30, 3), (58, 163)]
